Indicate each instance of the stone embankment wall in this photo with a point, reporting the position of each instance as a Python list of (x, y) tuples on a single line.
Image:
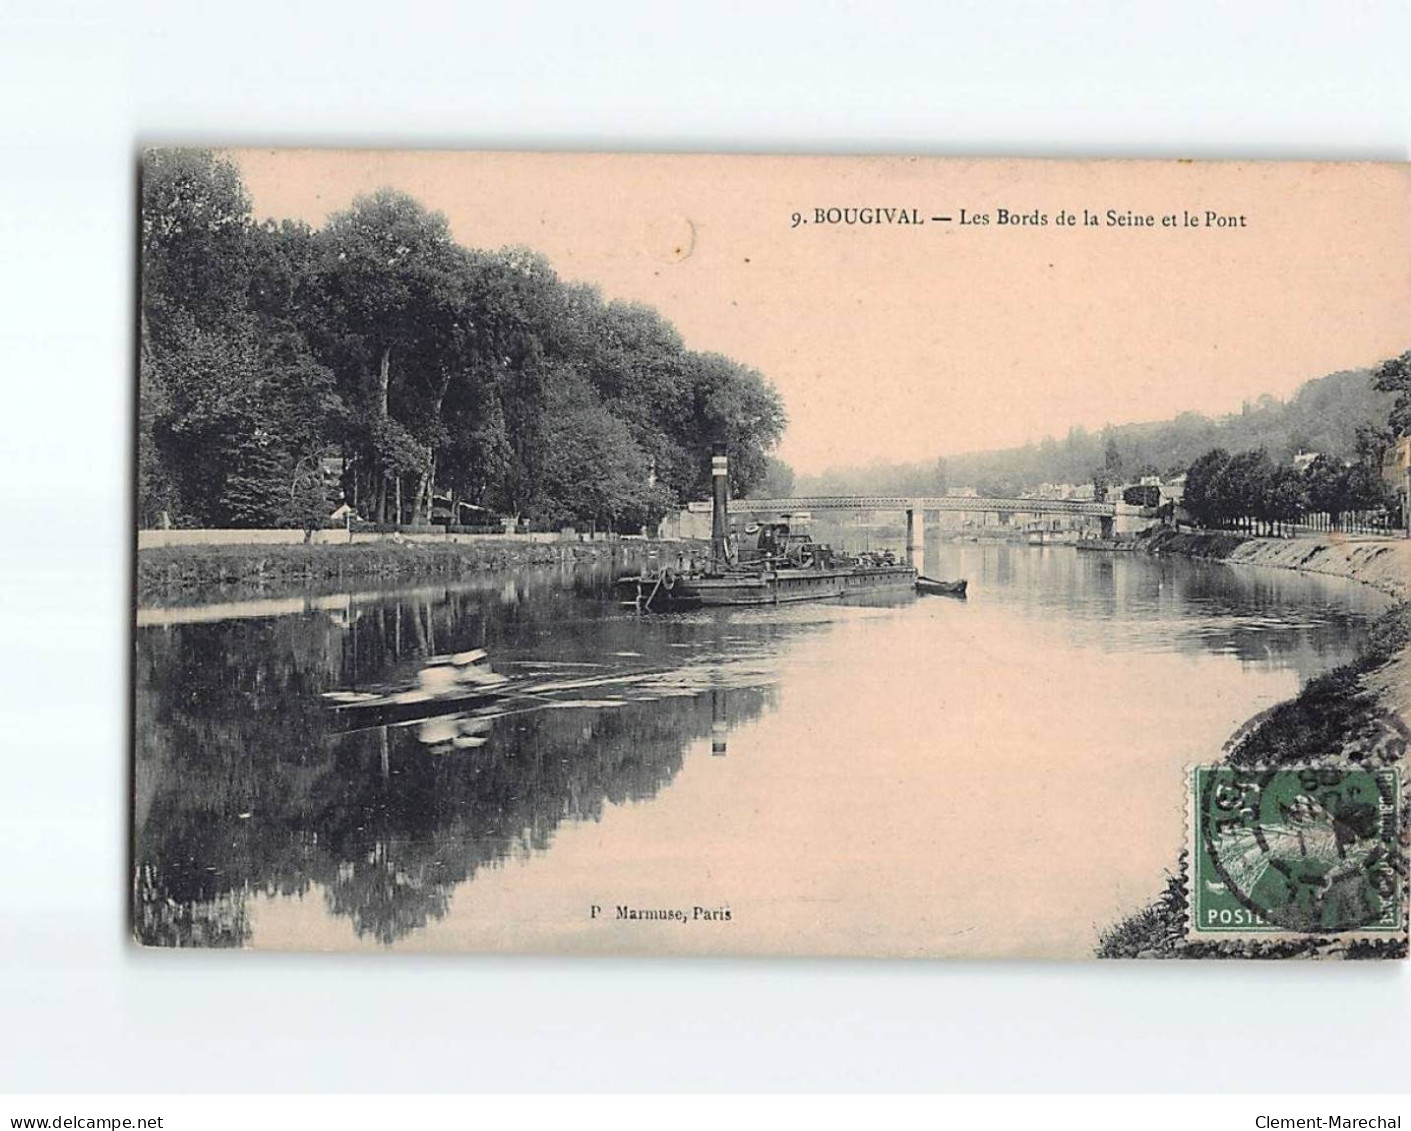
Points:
[(193, 570), (158, 539), (1384, 563)]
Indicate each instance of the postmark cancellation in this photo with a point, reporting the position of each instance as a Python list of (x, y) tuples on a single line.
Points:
[(1295, 851)]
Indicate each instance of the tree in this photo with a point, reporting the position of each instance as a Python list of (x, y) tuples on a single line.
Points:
[(157, 494), (206, 433), (231, 399), (1112, 460), (1287, 498), (778, 481), (475, 458), (1326, 487), (1394, 376), (195, 353), (1142, 496), (733, 403), (1245, 485), (1368, 492), (1366, 489), (593, 471), (1204, 498), (310, 501), (517, 338), (255, 491), (235, 423), (298, 399), (195, 240), (390, 280)]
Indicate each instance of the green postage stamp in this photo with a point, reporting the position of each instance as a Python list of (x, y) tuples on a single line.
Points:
[(1295, 850)]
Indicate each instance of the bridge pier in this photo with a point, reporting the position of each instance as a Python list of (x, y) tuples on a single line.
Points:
[(916, 538)]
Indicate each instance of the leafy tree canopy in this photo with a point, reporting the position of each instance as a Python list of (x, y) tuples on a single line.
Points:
[(419, 368)]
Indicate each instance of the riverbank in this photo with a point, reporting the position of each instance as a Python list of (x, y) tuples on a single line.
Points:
[(1351, 716), (1383, 563), (171, 572)]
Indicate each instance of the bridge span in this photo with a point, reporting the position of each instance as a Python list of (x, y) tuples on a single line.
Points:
[(916, 507), (969, 504)]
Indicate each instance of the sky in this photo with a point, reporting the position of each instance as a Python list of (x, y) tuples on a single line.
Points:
[(901, 343)]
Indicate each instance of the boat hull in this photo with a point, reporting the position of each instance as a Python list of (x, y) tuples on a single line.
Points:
[(936, 588), (776, 587)]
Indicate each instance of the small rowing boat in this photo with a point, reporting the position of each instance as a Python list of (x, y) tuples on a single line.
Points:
[(464, 684), (936, 588)]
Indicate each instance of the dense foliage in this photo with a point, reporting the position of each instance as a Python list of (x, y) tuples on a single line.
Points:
[(1249, 490), (433, 370)]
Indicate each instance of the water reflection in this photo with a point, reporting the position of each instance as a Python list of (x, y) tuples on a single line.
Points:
[(250, 792), (245, 785), (1134, 602)]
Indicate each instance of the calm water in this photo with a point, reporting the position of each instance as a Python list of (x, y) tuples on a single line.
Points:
[(923, 776)]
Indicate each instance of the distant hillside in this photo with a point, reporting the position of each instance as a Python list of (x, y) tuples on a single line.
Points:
[(1322, 416)]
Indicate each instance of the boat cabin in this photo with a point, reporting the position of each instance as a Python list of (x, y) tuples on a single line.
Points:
[(777, 544)]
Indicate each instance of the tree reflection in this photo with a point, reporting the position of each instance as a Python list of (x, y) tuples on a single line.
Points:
[(243, 788)]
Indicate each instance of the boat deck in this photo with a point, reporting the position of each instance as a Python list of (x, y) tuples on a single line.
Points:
[(776, 587)]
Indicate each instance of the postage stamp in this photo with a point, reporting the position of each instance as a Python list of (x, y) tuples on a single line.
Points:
[(1311, 850)]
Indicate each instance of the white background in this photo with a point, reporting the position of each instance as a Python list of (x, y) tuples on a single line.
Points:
[(83, 85)]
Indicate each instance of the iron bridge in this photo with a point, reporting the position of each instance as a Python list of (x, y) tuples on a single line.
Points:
[(963, 503)]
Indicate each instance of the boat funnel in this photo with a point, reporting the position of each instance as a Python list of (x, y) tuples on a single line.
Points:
[(720, 510)]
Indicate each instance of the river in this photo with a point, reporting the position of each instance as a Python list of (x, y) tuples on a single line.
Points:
[(1002, 775)]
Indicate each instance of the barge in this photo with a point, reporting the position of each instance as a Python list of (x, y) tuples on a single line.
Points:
[(779, 566)]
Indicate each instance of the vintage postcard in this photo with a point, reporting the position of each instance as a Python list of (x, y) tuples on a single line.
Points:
[(745, 555)]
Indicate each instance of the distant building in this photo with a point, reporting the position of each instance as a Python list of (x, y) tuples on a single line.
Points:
[(691, 521), (1302, 460), (1063, 491)]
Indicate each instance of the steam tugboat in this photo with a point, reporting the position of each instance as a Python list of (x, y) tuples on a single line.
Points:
[(782, 566)]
